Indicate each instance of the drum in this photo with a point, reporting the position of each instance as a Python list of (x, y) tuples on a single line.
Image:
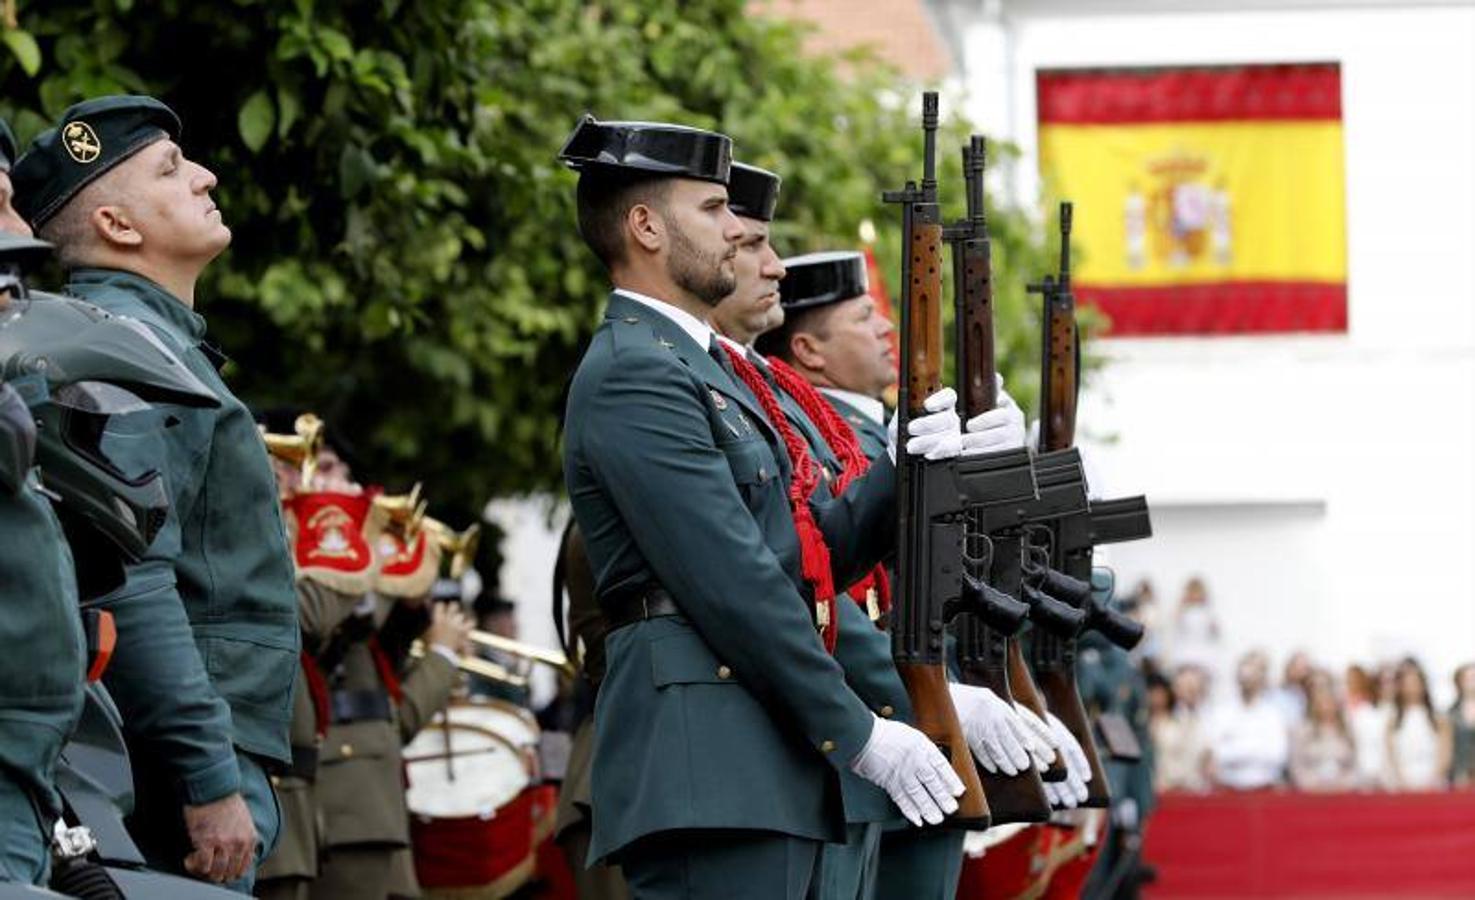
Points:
[(474, 807)]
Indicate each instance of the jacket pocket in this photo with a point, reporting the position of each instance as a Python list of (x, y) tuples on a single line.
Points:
[(684, 658)]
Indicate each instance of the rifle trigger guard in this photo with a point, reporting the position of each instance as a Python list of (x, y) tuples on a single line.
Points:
[(980, 563)]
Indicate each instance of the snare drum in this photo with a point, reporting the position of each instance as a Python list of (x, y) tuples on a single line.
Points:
[(472, 813)]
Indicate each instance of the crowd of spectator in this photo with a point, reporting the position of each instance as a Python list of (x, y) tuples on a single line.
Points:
[(1373, 728)]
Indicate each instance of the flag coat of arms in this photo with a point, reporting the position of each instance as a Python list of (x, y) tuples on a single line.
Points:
[(1208, 200)]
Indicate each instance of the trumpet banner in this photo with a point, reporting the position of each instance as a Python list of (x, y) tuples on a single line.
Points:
[(1207, 200)]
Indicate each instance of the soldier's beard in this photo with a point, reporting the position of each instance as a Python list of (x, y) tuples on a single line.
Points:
[(696, 271)]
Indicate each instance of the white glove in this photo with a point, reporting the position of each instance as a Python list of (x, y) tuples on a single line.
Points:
[(904, 763), (995, 735), (1001, 428), (936, 435), (1060, 795), (1078, 769), (1042, 745)]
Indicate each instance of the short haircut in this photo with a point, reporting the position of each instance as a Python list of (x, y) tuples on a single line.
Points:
[(71, 231), (605, 198), (779, 341)]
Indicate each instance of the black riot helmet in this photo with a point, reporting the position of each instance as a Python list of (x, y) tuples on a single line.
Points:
[(76, 365)]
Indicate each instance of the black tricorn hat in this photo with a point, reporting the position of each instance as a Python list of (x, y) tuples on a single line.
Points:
[(752, 192), (655, 148), (816, 279)]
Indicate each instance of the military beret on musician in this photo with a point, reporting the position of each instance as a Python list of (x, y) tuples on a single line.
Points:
[(653, 148), (818, 279), (7, 146), (94, 136), (752, 192)]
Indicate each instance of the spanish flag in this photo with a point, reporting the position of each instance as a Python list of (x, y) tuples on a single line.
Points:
[(1207, 200)]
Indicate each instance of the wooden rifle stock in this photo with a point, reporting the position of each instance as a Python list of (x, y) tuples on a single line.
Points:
[(1054, 656), (984, 652), (917, 615)]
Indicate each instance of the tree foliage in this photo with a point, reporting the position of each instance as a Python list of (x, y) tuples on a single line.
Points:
[(405, 260)]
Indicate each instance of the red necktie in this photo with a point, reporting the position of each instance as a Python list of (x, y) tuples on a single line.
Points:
[(814, 554)]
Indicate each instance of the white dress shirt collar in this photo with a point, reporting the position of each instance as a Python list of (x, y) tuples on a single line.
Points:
[(698, 330), (869, 407)]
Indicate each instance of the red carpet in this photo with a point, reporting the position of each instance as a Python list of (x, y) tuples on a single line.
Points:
[(1308, 845)]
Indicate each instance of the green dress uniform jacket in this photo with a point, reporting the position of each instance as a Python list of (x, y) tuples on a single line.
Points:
[(872, 434), (41, 674), (207, 620), (730, 715)]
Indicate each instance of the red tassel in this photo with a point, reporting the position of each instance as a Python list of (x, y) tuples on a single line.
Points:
[(814, 553), (842, 438)]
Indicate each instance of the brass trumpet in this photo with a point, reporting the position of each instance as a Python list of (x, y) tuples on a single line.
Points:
[(526, 651), (460, 546), (484, 669), (404, 511), (301, 448)]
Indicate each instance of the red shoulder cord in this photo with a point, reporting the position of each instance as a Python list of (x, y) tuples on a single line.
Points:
[(841, 437), (317, 689), (386, 670), (814, 554)]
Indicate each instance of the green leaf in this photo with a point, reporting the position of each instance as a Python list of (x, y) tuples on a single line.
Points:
[(290, 108), (256, 120), (25, 49)]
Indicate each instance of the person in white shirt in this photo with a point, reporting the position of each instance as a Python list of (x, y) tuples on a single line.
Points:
[(1248, 741), (1419, 741)]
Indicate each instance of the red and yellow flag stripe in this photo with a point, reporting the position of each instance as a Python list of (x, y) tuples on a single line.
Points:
[(1208, 200)]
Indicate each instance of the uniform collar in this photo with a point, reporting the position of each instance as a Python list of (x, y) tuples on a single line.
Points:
[(695, 328), (150, 296), (869, 407)]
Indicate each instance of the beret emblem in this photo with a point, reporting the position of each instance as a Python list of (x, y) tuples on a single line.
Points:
[(81, 142)]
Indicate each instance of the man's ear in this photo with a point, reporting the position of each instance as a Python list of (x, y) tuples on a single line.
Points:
[(807, 351), (647, 228), (114, 227)]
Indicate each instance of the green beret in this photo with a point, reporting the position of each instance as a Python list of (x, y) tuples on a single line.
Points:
[(7, 146), (94, 136)]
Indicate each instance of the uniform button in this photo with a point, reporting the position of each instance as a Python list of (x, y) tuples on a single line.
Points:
[(763, 472), (724, 672), (276, 781), (887, 712), (827, 747), (346, 750)]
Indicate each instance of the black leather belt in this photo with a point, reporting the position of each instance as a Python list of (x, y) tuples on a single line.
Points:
[(360, 706), (637, 606), (304, 762)]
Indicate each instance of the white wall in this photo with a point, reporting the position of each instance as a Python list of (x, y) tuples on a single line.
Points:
[(1322, 485)]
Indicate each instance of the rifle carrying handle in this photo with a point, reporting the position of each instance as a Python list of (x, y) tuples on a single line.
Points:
[(932, 706)]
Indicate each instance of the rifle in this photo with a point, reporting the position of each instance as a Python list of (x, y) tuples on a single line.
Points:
[(929, 506), (993, 537), (1054, 653)]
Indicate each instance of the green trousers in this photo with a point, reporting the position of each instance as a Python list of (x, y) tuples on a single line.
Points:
[(848, 871), (25, 853), (920, 864), (157, 823), (720, 864)]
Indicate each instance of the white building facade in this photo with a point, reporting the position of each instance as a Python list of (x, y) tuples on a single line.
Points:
[(1322, 485)]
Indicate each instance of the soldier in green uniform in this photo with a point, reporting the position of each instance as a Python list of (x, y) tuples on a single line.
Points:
[(722, 721), (377, 703), (1111, 684), (41, 670), (829, 331), (847, 870), (206, 621)]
